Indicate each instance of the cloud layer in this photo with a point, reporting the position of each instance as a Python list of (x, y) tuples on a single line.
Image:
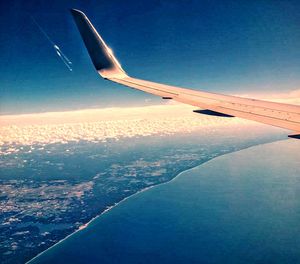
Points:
[(102, 124)]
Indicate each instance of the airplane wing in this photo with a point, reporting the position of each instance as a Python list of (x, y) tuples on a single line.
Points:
[(277, 114)]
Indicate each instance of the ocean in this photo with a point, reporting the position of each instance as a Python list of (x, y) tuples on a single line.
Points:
[(242, 207)]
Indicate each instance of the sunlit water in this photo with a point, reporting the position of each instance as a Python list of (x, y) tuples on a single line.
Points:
[(242, 207)]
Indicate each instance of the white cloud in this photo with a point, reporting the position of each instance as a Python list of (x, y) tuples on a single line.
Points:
[(101, 124)]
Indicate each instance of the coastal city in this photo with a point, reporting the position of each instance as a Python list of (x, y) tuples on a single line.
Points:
[(50, 191)]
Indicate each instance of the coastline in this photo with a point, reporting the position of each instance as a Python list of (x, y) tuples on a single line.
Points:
[(84, 226)]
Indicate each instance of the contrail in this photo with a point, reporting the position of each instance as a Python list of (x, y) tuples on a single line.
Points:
[(63, 57), (58, 51)]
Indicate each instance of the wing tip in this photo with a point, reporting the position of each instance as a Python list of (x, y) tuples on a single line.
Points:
[(76, 11)]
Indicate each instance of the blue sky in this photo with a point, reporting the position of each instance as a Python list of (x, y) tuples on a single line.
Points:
[(221, 46)]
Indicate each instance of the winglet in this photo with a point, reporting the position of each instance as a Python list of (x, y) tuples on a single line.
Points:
[(102, 57)]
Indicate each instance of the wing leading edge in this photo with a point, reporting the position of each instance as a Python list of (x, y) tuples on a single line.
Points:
[(277, 114)]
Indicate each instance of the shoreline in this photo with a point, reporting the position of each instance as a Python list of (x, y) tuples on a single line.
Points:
[(84, 226)]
